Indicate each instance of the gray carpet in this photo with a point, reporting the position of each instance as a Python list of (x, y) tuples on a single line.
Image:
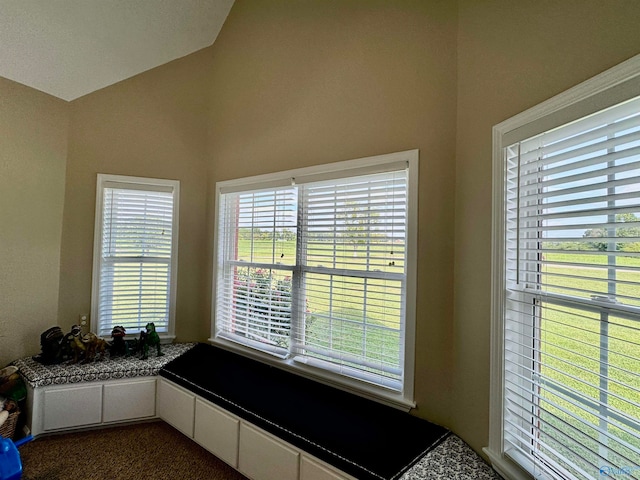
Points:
[(144, 451)]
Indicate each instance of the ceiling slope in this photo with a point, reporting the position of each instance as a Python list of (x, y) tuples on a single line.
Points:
[(69, 48)]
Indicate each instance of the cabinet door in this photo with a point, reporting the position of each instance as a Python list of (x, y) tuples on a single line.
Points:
[(70, 407), (263, 457), (176, 406), (312, 469), (128, 400), (217, 431)]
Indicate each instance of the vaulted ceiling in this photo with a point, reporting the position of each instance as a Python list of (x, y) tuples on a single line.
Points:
[(69, 48)]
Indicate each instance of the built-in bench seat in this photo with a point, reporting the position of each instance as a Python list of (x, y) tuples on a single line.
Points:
[(108, 391), (36, 374), (360, 437)]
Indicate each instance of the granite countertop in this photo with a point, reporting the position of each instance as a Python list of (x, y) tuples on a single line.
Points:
[(38, 375)]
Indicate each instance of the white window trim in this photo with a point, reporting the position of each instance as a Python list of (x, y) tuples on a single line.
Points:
[(403, 400), (608, 88), (102, 179)]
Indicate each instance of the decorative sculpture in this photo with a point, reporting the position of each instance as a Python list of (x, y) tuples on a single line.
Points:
[(96, 346), (86, 347), (119, 346), (150, 338), (52, 345)]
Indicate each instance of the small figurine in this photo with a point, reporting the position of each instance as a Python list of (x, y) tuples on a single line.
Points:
[(149, 338), (118, 346), (85, 347), (52, 345), (78, 349), (95, 346)]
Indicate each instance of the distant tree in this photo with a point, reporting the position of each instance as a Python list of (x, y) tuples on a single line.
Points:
[(359, 225), (286, 235), (621, 232), (244, 233), (572, 246)]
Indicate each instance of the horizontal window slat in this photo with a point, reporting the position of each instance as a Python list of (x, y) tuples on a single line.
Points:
[(598, 195), (524, 406), (554, 163), (588, 212), (607, 132), (583, 409), (583, 176), (554, 360), (549, 464), (594, 188)]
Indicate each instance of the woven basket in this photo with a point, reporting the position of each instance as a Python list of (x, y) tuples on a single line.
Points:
[(8, 428)]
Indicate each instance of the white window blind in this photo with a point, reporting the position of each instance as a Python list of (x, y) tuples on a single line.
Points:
[(353, 271), (572, 304), (257, 252), (136, 256), (315, 272)]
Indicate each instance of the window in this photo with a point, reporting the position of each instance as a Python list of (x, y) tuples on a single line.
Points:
[(566, 398), (316, 267), (135, 254)]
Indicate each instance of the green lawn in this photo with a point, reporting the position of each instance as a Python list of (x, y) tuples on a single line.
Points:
[(571, 343)]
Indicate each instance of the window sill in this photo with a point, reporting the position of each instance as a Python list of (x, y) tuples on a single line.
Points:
[(507, 468)]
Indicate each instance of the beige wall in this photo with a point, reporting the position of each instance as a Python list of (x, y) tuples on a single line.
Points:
[(152, 125), (511, 56), (33, 151), (291, 84), (303, 83)]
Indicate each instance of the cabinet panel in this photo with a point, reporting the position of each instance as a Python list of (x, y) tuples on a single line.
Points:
[(72, 406), (176, 406), (312, 469), (128, 400), (263, 457), (217, 431)]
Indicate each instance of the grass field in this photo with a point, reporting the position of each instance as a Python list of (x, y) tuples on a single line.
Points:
[(574, 356)]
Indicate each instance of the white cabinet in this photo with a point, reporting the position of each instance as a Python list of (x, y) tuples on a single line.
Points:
[(57, 408), (129, 400), (262, 456), (313, 469), (255, 453), (217, 431), (176, 406), (73, 406)]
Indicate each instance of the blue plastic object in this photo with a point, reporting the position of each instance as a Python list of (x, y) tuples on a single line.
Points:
[(10, 464)]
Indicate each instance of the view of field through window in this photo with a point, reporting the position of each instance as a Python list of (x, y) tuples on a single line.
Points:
[(591, 365), (318, 272), (575, 208)]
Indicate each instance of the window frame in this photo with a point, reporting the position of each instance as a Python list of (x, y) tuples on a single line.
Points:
[(401, 399), (609, 88), (103, 181)]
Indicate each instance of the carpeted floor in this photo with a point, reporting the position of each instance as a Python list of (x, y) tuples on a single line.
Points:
[(145, 451)]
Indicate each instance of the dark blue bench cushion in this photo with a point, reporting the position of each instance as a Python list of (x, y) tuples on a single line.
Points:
[(360, 437)]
